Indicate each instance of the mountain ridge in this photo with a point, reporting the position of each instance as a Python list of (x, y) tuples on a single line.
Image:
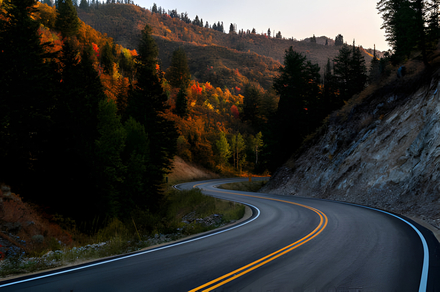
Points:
[(124, 22)]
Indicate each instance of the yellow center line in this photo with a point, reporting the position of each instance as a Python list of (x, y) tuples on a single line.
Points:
[(258, 263)]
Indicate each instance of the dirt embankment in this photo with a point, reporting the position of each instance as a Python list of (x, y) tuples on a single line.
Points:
[(183, 171)]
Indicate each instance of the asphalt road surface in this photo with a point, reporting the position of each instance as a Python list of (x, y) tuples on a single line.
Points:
[(289, 244)]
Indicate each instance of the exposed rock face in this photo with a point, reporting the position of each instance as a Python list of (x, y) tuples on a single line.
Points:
[(388, 157)]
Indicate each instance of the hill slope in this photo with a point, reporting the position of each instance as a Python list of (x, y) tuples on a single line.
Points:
[(124, 23), (381, 151)]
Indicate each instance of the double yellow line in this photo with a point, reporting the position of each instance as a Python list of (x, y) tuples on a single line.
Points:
[(258, 263)]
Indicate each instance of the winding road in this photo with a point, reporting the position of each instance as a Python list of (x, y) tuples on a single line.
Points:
[(288, 244)]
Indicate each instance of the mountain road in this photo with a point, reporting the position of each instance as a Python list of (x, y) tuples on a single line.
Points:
[(288, 244)]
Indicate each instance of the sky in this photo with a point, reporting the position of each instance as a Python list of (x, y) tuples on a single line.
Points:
[(354, 19)]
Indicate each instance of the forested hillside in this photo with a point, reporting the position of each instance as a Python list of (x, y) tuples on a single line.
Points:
[(123, 23), (94, 113)]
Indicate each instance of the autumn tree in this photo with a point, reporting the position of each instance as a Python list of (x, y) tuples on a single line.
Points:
[(67, 21), (257, 143), (223, 148)]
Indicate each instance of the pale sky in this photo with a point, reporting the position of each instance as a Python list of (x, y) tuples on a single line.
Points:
[(354, 19)]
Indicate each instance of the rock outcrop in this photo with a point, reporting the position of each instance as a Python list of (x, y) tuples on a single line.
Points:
[(384, 153)]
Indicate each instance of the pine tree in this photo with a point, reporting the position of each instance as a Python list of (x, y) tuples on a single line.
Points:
[(358, 72), (401, 23), (251, 105), (339, 40), (178, 74), (181, 104), (27, 95), (350, 71), (136, 191), (232, 29), (107, 58), (146, 104), (67, 21), (110, 170), (84, 5), (342, 71), (75, 130), (298, 87)]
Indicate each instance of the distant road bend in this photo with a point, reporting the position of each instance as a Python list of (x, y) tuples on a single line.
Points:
[(288, 244)]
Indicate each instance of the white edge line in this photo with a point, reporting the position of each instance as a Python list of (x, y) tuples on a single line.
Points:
[(425, 268), (139, 253)]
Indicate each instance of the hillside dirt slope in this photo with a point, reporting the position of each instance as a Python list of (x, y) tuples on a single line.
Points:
[(183, 171), (382, 152)]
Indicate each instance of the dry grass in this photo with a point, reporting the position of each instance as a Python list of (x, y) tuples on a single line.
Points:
[(36, 231)]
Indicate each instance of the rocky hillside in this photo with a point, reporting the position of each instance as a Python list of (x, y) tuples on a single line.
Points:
[(380, 150)]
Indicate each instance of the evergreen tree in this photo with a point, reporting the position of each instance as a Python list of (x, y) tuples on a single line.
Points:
[(146, 103), (251, 105), (107, 58), (339, 40), (67, 21), (313, 39), (75, 131), (27, 96), (178, 74), (374, 73), (154, 9), (181, 104), (350, 71), (110, 168), (298, 87), (84, 5), (232, 29), (136, 191), (331, 99), (342, 71), (401, 24), (358, 71)]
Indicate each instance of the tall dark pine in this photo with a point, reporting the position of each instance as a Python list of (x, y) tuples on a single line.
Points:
[(298, 89), (251, 105), (27, 96), (178, 74), (358, 72), (146, 103), (401, 23), (67, 21), (75, 130), (342, 71), (181, 104)]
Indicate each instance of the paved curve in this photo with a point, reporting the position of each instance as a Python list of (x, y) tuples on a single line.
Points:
[(290, 244)]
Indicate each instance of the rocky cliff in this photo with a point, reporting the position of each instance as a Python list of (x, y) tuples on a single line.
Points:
[(382, 151)]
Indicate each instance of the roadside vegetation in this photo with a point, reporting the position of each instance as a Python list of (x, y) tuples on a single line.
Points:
[(188, 212)]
